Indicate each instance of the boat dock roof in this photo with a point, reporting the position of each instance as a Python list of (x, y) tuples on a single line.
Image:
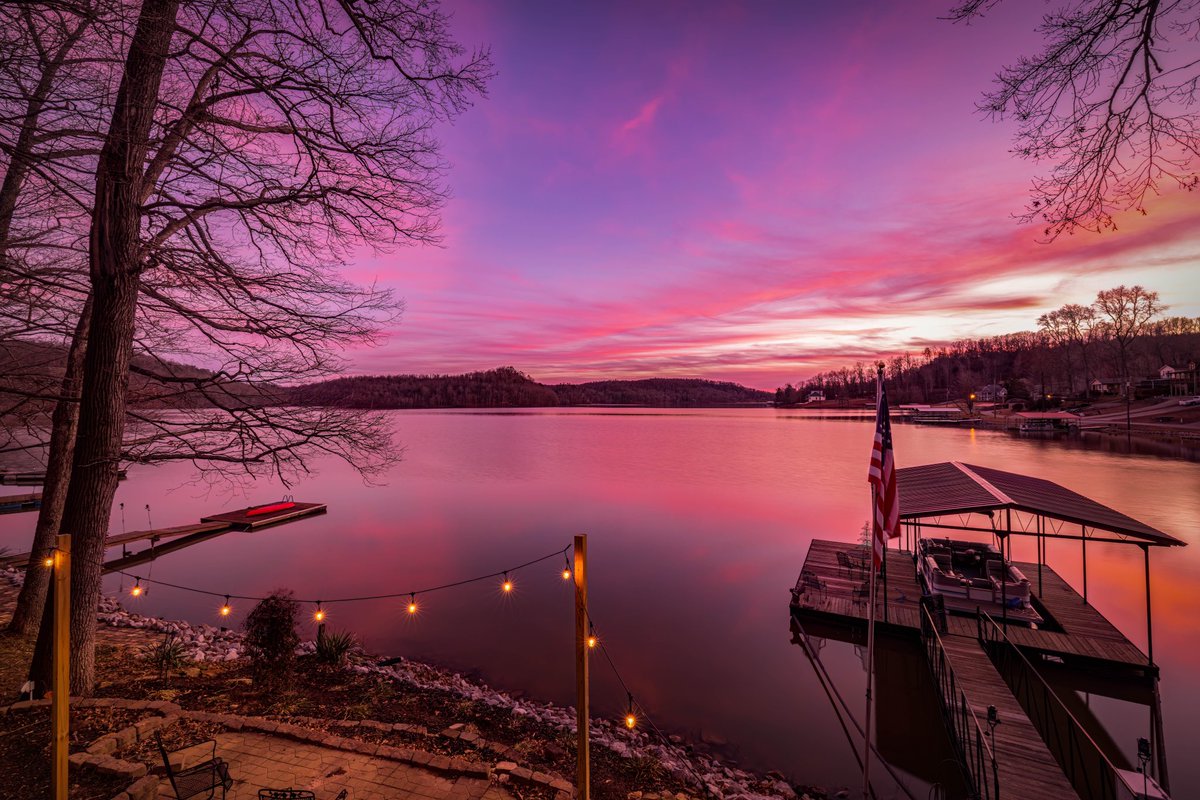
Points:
[(951, 487)]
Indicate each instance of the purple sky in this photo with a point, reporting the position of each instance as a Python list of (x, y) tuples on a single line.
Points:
[(748, 192)]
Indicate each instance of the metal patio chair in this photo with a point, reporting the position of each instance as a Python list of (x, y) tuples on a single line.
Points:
[(203, 779)]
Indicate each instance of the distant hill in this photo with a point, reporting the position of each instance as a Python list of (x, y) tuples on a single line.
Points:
[(33, 370), (660, 393), (507, 387)]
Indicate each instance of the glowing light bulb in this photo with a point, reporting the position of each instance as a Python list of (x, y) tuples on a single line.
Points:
[(225, 609), (320, 615), (592, 641), (630, 721), (507, 585), (136, 591), (412, 604), (49, 562), (566, 574)]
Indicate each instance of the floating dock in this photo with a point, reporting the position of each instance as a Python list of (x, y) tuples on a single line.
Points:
[(17, 503), (181, 536), (10, 477)]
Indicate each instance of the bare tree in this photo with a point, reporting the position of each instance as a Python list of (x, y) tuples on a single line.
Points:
[(1126, 312), (1109, 102), (1058, 334), (53, 63), (253, 146)]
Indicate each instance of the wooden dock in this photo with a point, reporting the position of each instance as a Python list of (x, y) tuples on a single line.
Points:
[(31, 478), (1076, 634), (1076, 631), (17, 503), (182, 536)]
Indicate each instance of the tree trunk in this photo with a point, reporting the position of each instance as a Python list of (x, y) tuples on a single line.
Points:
[(115, 265), (65, 422)]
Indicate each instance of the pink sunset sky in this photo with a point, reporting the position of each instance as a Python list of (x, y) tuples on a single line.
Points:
[(742, 191)]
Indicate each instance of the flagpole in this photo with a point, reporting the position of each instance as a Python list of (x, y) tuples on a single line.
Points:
[(870, 662)]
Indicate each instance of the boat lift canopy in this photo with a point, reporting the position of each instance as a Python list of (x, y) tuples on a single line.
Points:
[(931, 492), (951, 487)]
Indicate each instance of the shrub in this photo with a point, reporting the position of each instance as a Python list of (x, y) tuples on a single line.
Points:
[(271, 639), (333, 648), (168, 655)]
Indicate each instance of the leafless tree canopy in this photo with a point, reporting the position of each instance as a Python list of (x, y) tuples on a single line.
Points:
[(1109, 103), (287, 138)]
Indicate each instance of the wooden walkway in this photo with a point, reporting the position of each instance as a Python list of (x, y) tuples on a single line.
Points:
[(831, 593), (1026, 766)]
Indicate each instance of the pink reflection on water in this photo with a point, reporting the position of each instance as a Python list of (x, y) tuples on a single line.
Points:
[(697, 523)]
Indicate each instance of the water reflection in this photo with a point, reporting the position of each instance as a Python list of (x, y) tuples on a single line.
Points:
[(698, 522)]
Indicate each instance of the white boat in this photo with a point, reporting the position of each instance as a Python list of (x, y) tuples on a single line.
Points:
[(971, 576)]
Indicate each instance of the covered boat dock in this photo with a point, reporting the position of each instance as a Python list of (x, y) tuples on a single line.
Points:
[(983, 663)]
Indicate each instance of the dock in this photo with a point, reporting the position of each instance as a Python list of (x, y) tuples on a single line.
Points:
[(967, 666), (17, 503), (10, 477), (246, 519), (169, 540)]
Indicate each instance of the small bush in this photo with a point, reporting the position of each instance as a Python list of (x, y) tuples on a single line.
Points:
[(168, 655), (271, 639), (333, 648)]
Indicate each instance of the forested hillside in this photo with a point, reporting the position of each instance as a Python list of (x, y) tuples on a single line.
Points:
[(507, 387)]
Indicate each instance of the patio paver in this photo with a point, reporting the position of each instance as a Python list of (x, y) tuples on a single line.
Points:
[(259, 761)]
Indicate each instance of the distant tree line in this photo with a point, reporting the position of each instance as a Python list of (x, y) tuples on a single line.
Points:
[(1121, 339), (507, 387)]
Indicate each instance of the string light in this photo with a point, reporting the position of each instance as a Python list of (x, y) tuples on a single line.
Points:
[(507, 585), (566, 573), (49, 562), (592, 641), (630, 717), (225, 609), (136, 591), (412, 604), (320, 615)]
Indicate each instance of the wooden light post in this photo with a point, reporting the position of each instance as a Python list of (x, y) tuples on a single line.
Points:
[(61, 675), (583, 766)]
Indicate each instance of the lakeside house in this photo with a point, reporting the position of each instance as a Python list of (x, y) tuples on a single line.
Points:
[(1179, 381), (992, 393), (1106, 385), (816, 396)]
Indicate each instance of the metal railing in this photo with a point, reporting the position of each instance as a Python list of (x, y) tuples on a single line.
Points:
[(1083, 762), (968, 736)]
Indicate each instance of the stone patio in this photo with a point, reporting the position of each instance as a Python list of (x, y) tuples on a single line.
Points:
[(260, 761)]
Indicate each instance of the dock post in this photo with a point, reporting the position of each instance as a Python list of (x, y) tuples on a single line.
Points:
[(1160, 746), (1149, 621), (1083, 538), (61, 675), (1040, 544), (582, 701)]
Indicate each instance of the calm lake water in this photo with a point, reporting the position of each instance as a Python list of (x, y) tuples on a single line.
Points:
[(698, 522)]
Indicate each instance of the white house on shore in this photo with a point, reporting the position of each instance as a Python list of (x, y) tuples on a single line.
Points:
[(992, 393)]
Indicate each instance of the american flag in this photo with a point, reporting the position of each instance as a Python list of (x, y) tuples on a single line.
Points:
[(882, 476)]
